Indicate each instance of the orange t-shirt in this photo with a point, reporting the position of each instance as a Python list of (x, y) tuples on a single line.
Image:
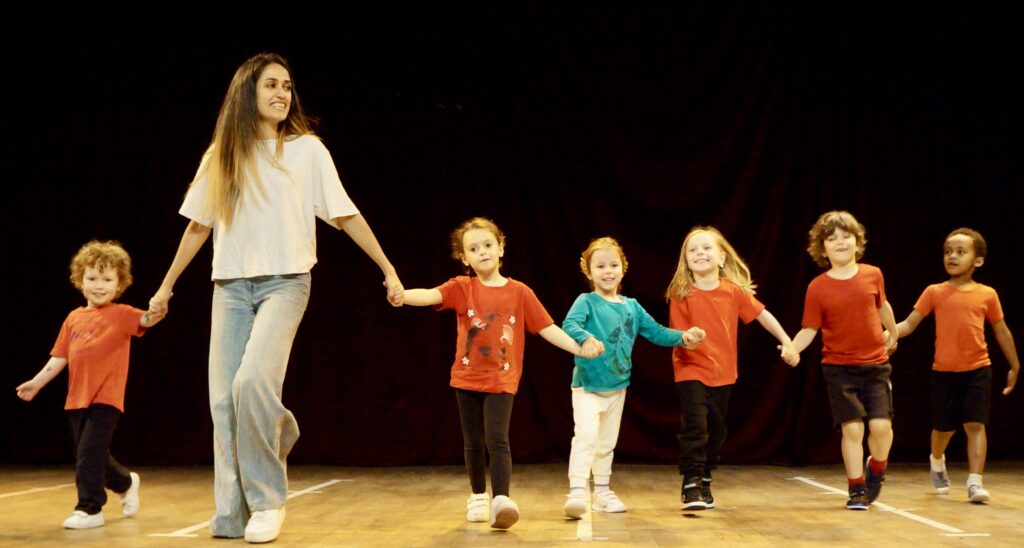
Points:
[(95, 341), (846, 311), (960, 314), (717, 312), (492, 325)]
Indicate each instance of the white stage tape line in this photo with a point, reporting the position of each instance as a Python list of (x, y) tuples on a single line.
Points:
[(36, 490)]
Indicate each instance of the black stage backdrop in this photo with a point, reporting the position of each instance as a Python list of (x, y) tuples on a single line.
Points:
[(562, 126)]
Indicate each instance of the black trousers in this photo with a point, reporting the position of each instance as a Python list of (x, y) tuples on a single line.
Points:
[(702, 427), (485, 418), (91, 431)]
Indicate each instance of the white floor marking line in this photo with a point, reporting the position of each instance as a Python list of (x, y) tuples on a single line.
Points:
[(585, 527), (897, 511), (36, 490), (190, 530)]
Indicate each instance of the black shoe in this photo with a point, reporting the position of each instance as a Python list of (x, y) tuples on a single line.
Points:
[(692, 497), (705, 492), (858, 498), (873, 481)]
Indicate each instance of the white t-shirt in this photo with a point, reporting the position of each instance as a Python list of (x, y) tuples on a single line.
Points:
[(274, 230)]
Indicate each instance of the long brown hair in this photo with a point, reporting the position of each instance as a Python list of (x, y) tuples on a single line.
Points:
[(231, 156)]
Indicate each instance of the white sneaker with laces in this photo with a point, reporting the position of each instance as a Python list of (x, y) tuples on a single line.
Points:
[(264, 525), (575, 503), (476, 508), (504, 512), (608, 501), (977, 494), (130, 498), (80, 520)]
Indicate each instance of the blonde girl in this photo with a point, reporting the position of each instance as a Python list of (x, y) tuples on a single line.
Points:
[(599, 384), (493, 312), (711, 288)]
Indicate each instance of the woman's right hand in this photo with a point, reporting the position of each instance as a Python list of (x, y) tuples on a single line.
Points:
[(158, 304)]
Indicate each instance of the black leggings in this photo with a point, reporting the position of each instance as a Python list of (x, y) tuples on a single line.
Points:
[(485, 419), (91, 431), (702, 427)]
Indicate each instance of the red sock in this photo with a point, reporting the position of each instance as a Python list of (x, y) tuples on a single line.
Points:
[(877, 466), (855, 481)]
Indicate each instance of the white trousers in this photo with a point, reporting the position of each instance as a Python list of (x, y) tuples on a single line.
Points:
[(597, 416)]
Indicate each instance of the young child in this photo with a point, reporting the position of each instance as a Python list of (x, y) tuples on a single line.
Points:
[(94, 342), (847, 302), (961, 376), (494, 313), (599, 384), (711, 288)]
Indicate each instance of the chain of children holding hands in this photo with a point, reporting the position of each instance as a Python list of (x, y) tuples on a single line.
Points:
[(264, 181)]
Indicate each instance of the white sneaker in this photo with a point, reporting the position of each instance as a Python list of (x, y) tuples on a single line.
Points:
[(80, 520), (504, 512), (130, 498), (977, 494), (476, 508), (575, 503), (264, 525), (607, 501)]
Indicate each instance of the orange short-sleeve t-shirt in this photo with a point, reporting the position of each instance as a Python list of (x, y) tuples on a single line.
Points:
[(960, 315), (846, 311), (96, 343), (492, 323)]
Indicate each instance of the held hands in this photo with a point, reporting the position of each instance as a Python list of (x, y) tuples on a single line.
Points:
[(591, 348), (890, 342), (1011, 381), (789, 354), (693, 337), (396, 293), (28, 390), (158, 304)]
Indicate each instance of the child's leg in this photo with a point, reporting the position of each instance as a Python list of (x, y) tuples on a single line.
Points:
[(976, 407), (880, 438), (608, 436), (693, 432), (718, 405), (497, 415), (853, 448), (471, 416), (977, 447), (92, 430), (939, 442), (586, 414)]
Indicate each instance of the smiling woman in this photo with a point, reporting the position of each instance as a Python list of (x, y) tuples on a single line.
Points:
[(259, 190)]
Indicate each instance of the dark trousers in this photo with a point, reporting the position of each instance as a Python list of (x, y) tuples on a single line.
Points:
[(702, 427), (91, 431), (485, 418)]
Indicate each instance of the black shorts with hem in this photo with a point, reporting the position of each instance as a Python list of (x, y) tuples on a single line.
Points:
[(959, 397), (858, 391)]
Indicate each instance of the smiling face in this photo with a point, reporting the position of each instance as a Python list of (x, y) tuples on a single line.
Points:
[(959, 256), (703, 255), (273, 98), (481, 251), (840, 248), (606, 271), (100, 285)]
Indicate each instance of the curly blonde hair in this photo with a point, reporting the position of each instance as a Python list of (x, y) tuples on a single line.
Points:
[(475, 223), (826, 226), (102, 255), (606, 242), (735, 269)]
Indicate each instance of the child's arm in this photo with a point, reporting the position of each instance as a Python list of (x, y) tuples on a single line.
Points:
[(908, 325), (420, 297), (191, 241), (28, 390), (803, 339), (151, 317), (1005, 340), (768, 321), (554, 335), (889, 321)]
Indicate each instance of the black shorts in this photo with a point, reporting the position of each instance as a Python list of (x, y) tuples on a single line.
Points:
[(858, 391), (961, 396)]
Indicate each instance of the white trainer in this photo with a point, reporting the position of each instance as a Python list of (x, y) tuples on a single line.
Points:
[(130, 498), (575, 504), (504, 512), (80, 520), (264, 526), (476, 508), (608, 501)]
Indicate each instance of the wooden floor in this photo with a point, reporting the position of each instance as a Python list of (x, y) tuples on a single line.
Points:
[(331, 506)]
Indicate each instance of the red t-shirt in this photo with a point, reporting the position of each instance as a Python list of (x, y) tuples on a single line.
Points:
[(96, 341), (960, 314), (717, 312), (492, 325), (846, 311)]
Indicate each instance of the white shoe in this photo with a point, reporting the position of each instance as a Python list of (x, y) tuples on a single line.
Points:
[(80, 520), (476, 508), (504, 512), (608, 501), (977, 494), (264, 525), (575, 503), (130, 498)]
